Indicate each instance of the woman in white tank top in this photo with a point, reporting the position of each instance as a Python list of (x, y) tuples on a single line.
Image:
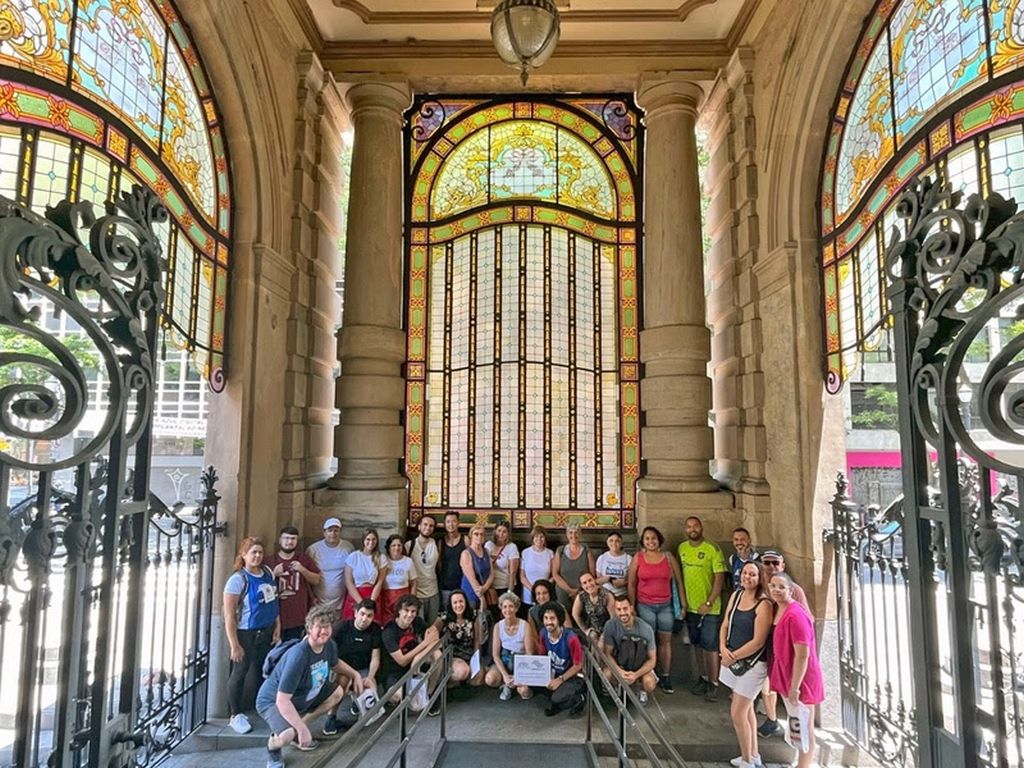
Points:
[(513, 635)]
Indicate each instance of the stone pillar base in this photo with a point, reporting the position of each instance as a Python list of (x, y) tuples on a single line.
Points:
[(668, 510), (382, 508)]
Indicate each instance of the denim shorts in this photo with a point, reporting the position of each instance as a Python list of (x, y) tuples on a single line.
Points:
[(659, 615), (703, 630)]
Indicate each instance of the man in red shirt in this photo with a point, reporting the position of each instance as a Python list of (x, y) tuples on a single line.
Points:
[(296, 575)]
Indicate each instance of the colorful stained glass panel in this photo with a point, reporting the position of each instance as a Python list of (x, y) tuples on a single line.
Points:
[(119, 60), (1006, 163), (938, 50), (36, 36), (868, 140), (523, 312), (1007, 35), (50, 180), (127, 76), (186, 142)]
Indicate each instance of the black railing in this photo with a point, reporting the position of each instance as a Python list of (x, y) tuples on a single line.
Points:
[(873, 616), (355, 744), (658, 751)]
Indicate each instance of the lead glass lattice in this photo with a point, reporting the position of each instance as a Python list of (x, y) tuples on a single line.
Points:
[(522, 391), (936, 86), (124, 99)]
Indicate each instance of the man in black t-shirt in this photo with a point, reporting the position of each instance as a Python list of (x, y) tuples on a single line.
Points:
[(408, 642), (449, 567), (359, 642)]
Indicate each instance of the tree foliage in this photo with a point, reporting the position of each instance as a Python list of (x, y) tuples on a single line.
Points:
[(14, 341)]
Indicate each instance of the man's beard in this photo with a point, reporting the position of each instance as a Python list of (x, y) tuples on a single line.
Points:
[(286, 551)]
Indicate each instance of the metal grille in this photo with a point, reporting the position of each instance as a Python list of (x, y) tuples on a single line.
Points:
[(947, 559), (104, 592)]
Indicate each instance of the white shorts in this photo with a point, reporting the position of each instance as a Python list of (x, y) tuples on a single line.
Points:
[(747, 685)]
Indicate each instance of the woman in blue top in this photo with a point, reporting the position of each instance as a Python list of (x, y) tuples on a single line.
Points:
[(251, 622), (477, 574)]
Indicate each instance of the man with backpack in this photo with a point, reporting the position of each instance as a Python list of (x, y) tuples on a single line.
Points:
[(629, 643), (298, 688)]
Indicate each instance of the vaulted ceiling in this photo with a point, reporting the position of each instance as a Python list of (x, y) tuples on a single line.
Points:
[(440, 44)]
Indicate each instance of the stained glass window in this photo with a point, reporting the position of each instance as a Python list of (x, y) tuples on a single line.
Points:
[(935, 86), (124, 99), (522, 390)]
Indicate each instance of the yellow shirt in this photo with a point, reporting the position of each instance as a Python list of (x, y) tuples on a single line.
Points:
[(700, 564)]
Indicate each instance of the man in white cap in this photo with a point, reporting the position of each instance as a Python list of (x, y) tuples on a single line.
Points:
[(330, 554)]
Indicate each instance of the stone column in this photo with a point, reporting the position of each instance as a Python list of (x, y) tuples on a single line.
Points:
[(675, 394), (317, 182), (368, 442), (734, 300)]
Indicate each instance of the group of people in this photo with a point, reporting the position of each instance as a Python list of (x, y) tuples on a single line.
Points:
[(747, 620)]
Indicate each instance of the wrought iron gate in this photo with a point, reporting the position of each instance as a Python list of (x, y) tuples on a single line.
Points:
[(104, 592), (958, 578)]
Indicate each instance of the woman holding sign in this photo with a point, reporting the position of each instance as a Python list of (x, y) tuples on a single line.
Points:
[(512, 637)]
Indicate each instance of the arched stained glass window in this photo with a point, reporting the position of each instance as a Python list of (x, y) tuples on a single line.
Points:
[(97, 95), (935, 87), (522, 386)]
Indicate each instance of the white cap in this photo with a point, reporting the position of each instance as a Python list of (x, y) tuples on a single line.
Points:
[(330, 522)]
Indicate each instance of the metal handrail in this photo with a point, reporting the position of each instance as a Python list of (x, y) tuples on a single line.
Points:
[(401, 713), (622, 695)]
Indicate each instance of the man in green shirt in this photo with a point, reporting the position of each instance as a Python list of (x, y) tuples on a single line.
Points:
[(704, 572)]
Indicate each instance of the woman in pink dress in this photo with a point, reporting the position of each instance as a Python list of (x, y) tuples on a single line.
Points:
[(795, 672)]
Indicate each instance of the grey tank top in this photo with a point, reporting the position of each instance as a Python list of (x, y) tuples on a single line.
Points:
[(571, 570)]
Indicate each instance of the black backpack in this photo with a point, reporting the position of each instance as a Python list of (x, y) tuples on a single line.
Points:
[(275, 655), (631, 653)]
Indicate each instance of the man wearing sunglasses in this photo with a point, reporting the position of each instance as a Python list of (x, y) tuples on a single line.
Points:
[(423, 552), (772, 562)]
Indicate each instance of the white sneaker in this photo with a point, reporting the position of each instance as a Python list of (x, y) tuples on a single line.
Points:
[(642, 698), (240, 723), (506, 693), (755, 762)]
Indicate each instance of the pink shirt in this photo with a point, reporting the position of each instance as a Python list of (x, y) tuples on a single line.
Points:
[(653, 582), (796, 626)]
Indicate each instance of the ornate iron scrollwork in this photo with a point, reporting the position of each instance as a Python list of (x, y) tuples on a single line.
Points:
[(107, 285), (962, 267), (77, 566)]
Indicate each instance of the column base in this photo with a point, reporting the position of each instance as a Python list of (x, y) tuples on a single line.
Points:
[(383, 508), (667, 510)]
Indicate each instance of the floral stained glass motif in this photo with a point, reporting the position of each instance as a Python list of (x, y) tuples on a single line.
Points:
[(125, 100), (119, 60), (1007, 35), (35, 35), (868, 142), (522, 360), (918, 98), (186, 141), (938, 50), (523, 159)]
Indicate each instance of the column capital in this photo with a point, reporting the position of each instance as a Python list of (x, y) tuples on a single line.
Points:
[(660, 91), (390, 98)]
